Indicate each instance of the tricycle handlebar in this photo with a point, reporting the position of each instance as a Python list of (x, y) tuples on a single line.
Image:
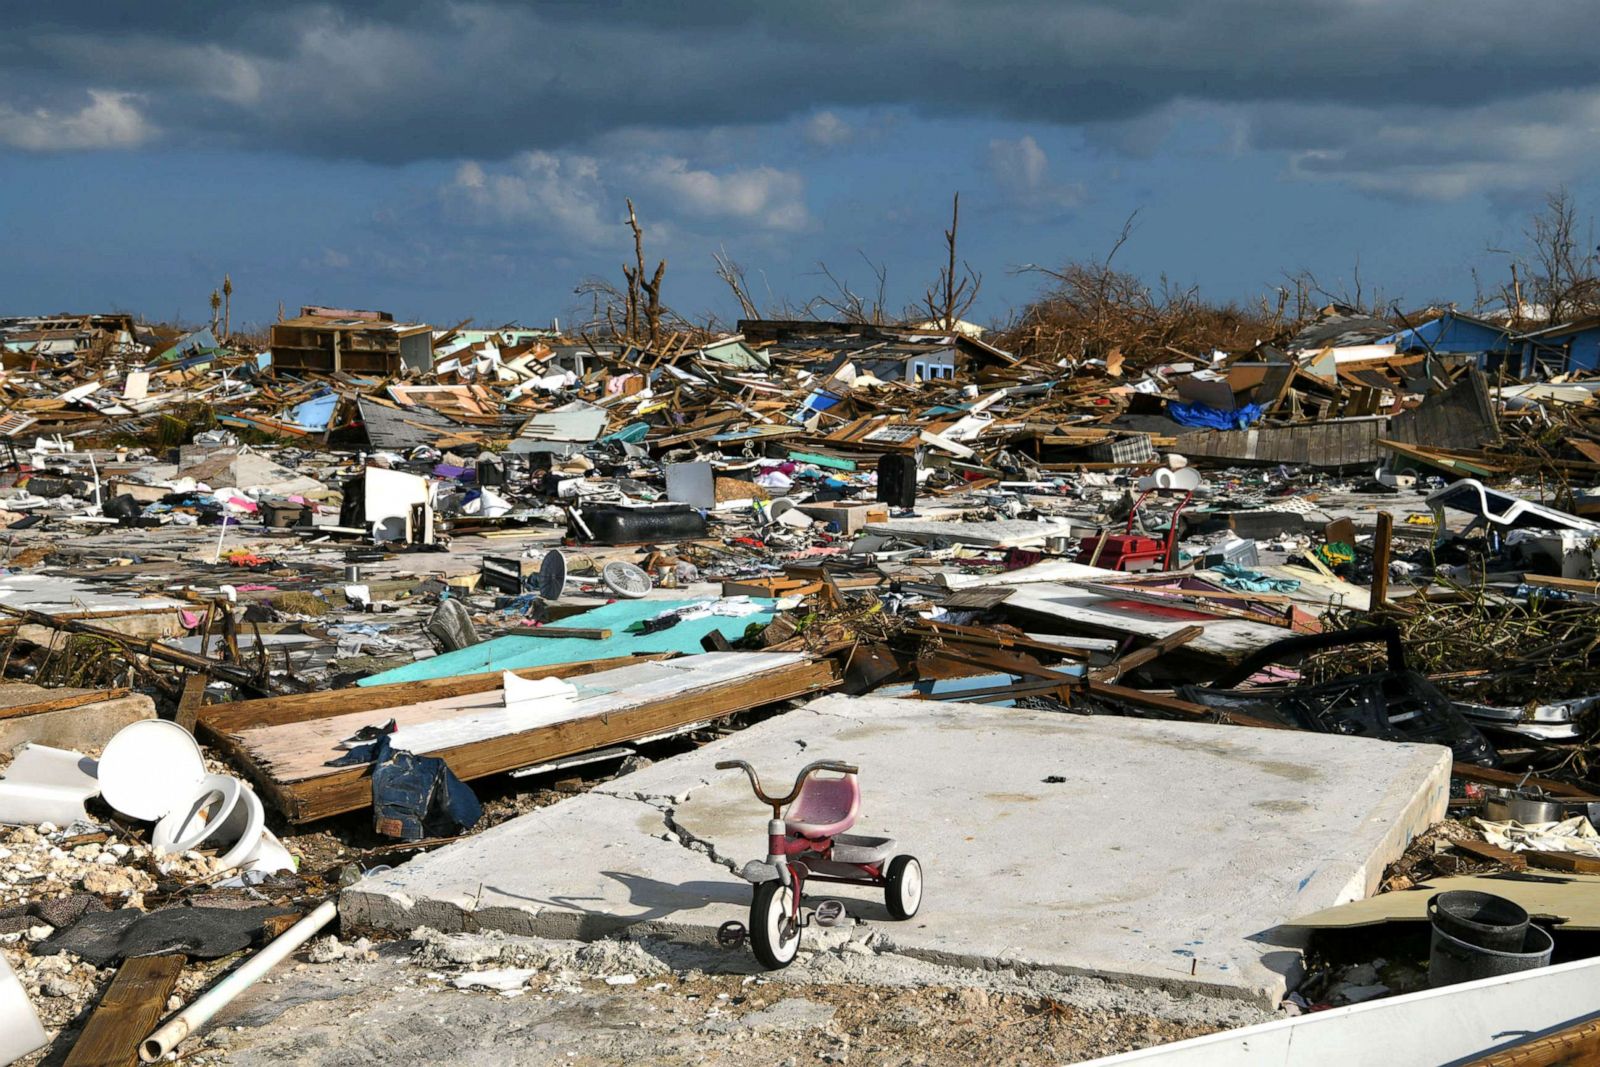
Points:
[(777, 803)]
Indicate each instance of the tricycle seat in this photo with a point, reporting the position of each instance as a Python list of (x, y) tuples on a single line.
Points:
[(825, 807)]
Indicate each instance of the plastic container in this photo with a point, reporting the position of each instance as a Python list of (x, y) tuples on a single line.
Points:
[(1451, 960), (283, 516), (1480, 919)]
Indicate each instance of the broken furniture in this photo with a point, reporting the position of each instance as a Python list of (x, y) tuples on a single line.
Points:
[(1129, 551)]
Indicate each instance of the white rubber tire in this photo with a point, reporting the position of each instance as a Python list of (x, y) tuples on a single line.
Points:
[(771, 909), (903, 893)]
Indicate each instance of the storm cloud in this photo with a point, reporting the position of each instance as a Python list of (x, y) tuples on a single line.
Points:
[(399, 82)]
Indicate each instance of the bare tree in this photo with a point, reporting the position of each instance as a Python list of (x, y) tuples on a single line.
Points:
[(732, 274), (1562, 267), (650, 289), (952, 295), (1093, 310), (847, 304)]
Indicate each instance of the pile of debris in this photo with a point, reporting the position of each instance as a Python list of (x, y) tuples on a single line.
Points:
[(353, 579)]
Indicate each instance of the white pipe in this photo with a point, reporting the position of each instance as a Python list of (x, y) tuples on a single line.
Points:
[(218, 996)]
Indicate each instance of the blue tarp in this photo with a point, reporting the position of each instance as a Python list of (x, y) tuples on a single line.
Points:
[(515, 653), (1214, 418), (313, 414)]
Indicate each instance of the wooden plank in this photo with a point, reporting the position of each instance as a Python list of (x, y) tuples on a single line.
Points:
[(127, 1013), (192, 700), (220, 719), (1198, 601), (1563, 861), (1139, 657), (579, 632), (348, 789), (1493, 853), (1575, 1046), (66, 703), (979, 635), (1570, 585), (1175, 706), (1381, 543), (1471, 772)]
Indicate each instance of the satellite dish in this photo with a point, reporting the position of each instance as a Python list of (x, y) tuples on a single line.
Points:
[(625, 580), (553, 575)]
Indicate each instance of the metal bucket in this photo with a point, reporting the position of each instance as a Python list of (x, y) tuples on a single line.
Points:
[(1502, 805), (1451, 960), (1480, 919)]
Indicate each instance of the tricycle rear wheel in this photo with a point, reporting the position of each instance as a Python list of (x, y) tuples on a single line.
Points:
[(774, 933), (902, 891)]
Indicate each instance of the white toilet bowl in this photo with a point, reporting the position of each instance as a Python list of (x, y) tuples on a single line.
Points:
[(222, 812)]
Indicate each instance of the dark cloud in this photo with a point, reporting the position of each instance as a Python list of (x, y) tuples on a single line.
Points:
[(1390, 95), (406, 80)]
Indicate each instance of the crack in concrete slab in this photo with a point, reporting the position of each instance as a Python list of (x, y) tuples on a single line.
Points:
[(667, 806), (688, 839)]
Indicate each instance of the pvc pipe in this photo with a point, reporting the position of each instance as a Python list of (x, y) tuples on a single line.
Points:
[(220, 995)]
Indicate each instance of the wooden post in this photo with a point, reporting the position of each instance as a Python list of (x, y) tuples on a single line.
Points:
[(1381, 542)]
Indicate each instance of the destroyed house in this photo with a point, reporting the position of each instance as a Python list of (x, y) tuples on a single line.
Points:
[(330, 340), (66, 335), (1572, 346), (511, 336), (1453, 333), (901, 363)]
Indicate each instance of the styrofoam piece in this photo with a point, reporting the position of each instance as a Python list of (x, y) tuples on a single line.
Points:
[(149, 768), (531, 694), (223, 812), (20, 1029), (46, 784), (269, 856)]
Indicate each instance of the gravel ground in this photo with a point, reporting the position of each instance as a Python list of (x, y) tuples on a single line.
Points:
[(472, 999)]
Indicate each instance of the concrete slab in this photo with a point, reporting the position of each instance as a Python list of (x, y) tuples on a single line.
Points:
[(86, 727), (1167, 855)]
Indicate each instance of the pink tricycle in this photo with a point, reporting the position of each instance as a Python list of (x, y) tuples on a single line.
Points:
[(810, 843)]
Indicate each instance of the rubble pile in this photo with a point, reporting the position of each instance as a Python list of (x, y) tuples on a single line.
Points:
[(361, 572)]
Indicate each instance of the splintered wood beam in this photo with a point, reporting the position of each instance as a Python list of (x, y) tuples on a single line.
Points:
[(350, 789)]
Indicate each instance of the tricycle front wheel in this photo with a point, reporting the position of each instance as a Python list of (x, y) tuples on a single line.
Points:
[(903, 887), (774, 933)]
